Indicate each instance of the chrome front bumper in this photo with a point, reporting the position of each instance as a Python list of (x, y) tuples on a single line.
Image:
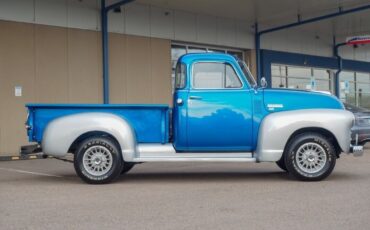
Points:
[(357, 150)]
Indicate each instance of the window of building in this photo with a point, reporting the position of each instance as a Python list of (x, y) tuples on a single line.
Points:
[(178, 49), (298, 77), (355, 88), (208, 75), (363, 89), (278, 73), (192, 49)]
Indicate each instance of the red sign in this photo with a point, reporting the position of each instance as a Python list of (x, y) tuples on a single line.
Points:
[(358, 40)]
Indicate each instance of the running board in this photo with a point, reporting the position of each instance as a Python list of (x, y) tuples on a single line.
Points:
[(193, 159), (166, 153)]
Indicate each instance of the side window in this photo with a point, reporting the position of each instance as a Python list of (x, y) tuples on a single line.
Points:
[(231, 79), (208, 75), (180, 76)]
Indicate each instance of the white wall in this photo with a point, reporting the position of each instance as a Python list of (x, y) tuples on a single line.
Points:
[(361, 53), (151, 21), (135, 19), (297, 41)]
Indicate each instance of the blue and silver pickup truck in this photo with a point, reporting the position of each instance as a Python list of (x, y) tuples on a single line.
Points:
[(219, 114)]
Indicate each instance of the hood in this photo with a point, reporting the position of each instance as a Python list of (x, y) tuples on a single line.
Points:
[(276, 100)]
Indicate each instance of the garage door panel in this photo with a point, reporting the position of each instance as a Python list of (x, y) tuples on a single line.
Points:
[(138, 70), (117, 68), (85, 84), (17, 69), (51, 64), (161, 71)]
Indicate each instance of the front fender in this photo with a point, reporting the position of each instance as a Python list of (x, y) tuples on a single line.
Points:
[(277, 128), (62, 132)]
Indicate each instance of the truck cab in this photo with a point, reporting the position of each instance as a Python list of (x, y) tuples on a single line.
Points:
[(213, 104), (219, 114)]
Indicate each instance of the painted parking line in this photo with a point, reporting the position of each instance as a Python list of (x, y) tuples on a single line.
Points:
[(28, 172)]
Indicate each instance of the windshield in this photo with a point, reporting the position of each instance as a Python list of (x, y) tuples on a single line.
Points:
[(247, 73)]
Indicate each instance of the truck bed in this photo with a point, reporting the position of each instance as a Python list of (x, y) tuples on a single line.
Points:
[(150, 122)]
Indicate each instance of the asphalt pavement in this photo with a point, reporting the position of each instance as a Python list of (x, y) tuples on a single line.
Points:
[(46, 194)]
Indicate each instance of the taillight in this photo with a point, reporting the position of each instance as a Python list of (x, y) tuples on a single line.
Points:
[(28, 127)]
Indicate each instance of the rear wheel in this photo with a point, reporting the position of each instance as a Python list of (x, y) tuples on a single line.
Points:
[(98, 160), (310, 157)]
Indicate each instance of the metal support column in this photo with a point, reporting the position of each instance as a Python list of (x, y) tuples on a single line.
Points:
[(258, 53), (105, 43), (340, 67), (104, 31), (298, 23)]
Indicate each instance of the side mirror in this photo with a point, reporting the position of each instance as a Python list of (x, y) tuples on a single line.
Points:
[(263, 82)]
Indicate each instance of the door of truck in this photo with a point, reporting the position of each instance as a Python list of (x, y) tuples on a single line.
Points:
[(179, 112), (219, 108)]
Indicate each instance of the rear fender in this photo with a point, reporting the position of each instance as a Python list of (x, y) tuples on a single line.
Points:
[(61, 133)]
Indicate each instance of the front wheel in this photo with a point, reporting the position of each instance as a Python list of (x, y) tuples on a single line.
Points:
[(310, 157), (98, 160)]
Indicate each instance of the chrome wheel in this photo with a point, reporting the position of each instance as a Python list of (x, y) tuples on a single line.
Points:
[(97, 160), (311, 157)]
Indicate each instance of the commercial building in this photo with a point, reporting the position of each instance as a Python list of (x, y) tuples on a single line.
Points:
[(51, 50)]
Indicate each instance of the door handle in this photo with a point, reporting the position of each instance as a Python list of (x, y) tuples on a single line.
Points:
[(195, 98), (179, 101)]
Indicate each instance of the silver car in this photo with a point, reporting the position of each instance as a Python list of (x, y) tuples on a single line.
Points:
[(362, 123)]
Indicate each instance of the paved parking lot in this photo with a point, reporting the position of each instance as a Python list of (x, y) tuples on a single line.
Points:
[(46, 194)]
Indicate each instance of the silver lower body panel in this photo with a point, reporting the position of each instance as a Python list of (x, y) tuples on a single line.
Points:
[(166, 153)]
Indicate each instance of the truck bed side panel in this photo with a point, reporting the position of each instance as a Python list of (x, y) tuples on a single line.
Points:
[(150, 122)]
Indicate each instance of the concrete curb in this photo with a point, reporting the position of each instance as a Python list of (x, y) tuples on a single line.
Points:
[(20, 157)]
